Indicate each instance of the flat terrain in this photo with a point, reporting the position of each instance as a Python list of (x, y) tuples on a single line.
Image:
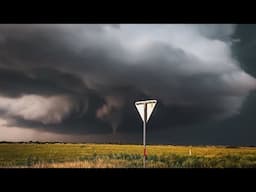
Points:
[(123, 156)]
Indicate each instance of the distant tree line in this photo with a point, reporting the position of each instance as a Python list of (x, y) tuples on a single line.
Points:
[(31, 142)]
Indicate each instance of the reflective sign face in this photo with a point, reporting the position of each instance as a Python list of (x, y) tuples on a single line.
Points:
[(149, 104), (150, 108), (140, 108)]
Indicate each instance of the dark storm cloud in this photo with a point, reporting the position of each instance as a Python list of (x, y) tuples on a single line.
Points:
[(244, 47), (85, 78), (39, 81)]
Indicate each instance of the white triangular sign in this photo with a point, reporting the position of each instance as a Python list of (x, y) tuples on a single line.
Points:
[(150, 108), (140, 108), (150, 104)]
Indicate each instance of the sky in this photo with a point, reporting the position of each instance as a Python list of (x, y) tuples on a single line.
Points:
[(79, 83)]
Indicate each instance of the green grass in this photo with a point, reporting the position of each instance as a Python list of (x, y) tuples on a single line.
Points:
[(106, 155)]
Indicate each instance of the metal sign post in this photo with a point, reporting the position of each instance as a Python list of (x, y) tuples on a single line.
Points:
[(144, 135), (145, 108)]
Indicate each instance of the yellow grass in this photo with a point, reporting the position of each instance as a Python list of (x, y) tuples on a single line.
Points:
[(119, 156), (100, 163)]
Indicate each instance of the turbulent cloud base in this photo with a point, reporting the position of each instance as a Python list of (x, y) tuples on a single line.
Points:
[(81, 79), (37, 108)]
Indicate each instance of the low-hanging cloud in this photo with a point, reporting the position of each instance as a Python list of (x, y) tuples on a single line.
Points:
[(100, 70), (47, 110)]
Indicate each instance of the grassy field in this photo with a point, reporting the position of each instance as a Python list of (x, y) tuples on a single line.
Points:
[(123, 156)]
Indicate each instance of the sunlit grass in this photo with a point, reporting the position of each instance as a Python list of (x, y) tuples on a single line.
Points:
[(127, 156)]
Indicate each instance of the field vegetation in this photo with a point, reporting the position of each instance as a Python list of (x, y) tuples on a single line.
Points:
[(58, 155)]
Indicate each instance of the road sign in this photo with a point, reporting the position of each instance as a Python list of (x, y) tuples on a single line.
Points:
[(150, 105), (145, 109)]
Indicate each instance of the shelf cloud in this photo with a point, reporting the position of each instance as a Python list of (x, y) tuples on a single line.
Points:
[(82, 79)]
